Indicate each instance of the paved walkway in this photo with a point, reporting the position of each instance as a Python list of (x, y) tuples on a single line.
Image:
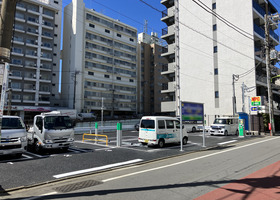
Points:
[(261, 185)]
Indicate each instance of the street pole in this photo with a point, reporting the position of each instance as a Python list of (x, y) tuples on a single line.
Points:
[(267, 59), (177, 60), (243, 97), (234, 78)]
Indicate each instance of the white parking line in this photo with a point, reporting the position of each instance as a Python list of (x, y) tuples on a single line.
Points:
[(97, 168), (231, 141)]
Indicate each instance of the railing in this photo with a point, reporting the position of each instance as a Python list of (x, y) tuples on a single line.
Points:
[(164, 31), (164, 13), (258, 8), (261, 32), (96, 138)]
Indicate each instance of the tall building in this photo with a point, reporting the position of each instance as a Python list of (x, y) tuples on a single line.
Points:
[(99, 62), (35, 57), (150, 80), (221, 47)]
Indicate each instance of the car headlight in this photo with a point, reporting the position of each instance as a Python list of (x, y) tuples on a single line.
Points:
[(23, 139), (70, 139), (48, 141)]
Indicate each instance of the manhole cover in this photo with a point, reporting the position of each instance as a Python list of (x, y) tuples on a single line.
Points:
[(77, 186)]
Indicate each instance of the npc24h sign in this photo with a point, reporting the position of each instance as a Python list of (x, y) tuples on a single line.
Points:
[(256, 101)]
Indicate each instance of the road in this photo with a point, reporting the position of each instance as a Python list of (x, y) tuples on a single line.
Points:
[(187, 176)]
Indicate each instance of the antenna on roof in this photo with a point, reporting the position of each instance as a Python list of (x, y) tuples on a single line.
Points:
[(145, 26)]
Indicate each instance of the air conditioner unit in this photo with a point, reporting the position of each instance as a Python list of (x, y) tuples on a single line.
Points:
[(36, 31), (41, 65), (35, 65), (34, 75), (35, 51)]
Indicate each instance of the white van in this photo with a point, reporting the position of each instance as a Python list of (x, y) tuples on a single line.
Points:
[(13, 136), (225, 126), (155, 130)]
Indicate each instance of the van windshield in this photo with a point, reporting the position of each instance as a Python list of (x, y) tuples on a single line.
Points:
[(220, 121), (57, 122), (12, 123), (147, 123)]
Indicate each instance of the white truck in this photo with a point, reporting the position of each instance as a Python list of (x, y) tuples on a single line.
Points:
[(51, 130), (13, 136)]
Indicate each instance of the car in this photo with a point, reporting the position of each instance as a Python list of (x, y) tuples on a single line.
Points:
[(136, 126)]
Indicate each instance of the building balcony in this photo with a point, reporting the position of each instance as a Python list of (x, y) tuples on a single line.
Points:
[(168, 34), (167, 3), (168, 106), (168, 16), (168, 68), (261, 33), (170, 49), (168, 87)]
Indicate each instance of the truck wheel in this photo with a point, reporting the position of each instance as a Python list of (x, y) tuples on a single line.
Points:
[(185, 140), (237, 132), (193, 129), (161, 143), (226, 133), (37, 147)]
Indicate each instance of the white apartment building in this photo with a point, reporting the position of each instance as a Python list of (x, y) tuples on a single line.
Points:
[(99, 62), (212, 50), (35, 57)]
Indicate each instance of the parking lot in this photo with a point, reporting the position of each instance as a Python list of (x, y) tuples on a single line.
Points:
[(90, 156)]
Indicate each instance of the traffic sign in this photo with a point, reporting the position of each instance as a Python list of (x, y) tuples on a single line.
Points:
[(254, 108)]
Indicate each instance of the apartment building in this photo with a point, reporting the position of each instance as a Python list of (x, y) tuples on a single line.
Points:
[(99, 62), (221, 45), (35, 58), (150, 80)]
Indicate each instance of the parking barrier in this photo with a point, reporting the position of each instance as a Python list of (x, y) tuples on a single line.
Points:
[(95, 139)]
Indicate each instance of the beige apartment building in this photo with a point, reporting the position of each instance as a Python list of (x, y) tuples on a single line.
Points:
[(35, 58), (150, 80), (99, 62)]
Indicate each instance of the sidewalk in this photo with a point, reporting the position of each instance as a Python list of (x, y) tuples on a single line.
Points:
[(260, 185)]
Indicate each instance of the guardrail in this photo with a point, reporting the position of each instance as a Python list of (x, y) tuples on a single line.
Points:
[(95, 139)]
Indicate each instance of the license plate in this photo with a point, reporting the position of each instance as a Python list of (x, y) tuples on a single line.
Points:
[(146, 141)]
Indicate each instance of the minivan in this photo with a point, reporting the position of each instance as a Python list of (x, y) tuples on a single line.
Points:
[(158, 130)]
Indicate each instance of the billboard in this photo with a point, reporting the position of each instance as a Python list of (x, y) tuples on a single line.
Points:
[(192, 113)]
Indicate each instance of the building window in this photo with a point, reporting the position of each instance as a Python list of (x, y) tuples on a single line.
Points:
[(92, 26), (91, 73), (119, 35), (131, 39), (216, 71), (106, 76), (131, 80), (215, 49), (213, 6), (214, 27), (119, 78), (216, 94), (56, 2), (107, 31)]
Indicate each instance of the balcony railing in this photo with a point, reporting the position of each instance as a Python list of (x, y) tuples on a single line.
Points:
[(258, 8), (164, 13), (164, 31), (261, 32)]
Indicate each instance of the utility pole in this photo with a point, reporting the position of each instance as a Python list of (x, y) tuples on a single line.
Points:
[(267, 60), (234, 78), (8, 10)]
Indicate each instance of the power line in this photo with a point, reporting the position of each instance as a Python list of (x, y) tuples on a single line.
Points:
[(150, 6), (236, 28)]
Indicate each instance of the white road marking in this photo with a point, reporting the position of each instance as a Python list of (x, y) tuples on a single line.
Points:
[(37, 197), (97, 168), (36, 155), (186, 161), (26, 156), (231, 141)]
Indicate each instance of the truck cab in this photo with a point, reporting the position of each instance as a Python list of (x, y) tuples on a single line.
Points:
[(51, 131)]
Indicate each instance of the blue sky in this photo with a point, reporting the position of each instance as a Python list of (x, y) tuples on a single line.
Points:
[(131, 12)]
